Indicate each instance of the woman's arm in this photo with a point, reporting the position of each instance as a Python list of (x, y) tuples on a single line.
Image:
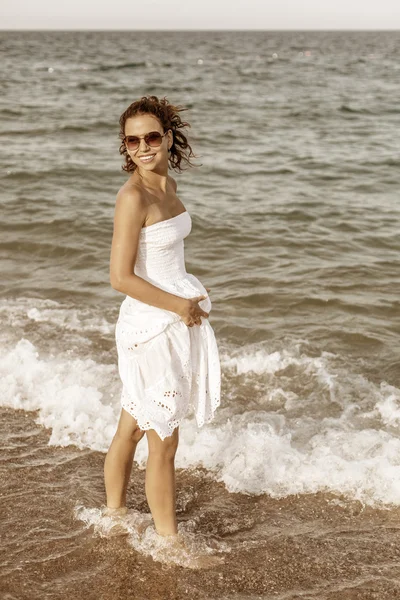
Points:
[(130, 214)]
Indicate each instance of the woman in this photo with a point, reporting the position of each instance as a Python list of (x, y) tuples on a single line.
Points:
[(167, 353)]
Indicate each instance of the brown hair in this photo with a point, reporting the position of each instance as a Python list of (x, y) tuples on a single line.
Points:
[(168, 116)]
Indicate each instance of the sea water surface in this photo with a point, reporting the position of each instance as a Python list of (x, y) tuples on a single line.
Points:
[(295, 487)]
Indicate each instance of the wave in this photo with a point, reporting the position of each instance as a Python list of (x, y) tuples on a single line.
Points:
[(290, 422)]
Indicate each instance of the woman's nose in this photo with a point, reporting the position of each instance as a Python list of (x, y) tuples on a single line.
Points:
[(143, 143)]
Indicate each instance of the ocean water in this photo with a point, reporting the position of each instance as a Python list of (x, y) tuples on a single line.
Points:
[(296, 484)]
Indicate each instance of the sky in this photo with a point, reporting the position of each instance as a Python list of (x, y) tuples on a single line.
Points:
[(200, 14)]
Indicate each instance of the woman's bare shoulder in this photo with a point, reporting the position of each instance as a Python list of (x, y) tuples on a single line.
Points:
[(130, 200), (130, 189)]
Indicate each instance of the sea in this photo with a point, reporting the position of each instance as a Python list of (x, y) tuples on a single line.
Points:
[(293, 490)]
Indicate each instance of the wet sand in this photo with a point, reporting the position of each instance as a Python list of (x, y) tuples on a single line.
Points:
[(303, 546)]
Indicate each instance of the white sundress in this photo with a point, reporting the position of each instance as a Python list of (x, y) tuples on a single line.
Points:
[(168, 369)]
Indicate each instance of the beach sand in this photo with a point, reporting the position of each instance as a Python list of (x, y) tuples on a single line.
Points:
[(302, 546)]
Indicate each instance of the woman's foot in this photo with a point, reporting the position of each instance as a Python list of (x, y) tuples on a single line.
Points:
[(134, 519), (173, 540), (114, 519)]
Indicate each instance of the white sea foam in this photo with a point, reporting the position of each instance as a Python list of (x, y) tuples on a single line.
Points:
[(289, 422), (24, 310), (74, 398), (188, 549)]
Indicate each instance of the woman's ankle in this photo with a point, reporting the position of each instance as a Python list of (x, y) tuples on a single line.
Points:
[(120, 510), (174, 534)]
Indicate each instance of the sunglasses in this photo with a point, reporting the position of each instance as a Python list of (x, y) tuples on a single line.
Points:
[(152, 139)]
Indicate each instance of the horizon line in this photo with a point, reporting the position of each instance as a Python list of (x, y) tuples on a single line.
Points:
[(78, 30)]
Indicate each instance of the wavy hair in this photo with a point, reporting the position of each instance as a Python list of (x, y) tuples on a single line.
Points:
[(169, 118)]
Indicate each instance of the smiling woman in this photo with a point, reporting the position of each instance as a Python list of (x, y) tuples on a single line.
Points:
[(168, 357), (167, 114)]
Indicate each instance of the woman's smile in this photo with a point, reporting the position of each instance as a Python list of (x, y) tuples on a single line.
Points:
[(147, 158)]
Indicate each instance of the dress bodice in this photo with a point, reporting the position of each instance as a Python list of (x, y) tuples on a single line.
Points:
[(160, 260), (160, 257)]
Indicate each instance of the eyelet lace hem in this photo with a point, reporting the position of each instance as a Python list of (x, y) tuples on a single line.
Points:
[(188, 381)]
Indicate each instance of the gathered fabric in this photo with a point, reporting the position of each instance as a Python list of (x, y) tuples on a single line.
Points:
[(168, 370)]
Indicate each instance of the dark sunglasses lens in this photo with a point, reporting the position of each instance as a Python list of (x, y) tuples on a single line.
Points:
[(132, 142), (153, 139)]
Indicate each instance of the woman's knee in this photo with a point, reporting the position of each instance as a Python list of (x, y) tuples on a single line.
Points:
[(128, 428), (133, 436), (165, 448)]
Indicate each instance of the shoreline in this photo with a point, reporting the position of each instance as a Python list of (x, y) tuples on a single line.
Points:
[(319, 544)]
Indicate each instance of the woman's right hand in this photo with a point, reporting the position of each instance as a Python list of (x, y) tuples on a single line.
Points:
[(191, 311)]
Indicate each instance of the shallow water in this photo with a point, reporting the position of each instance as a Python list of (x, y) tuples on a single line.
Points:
[(318, 545)]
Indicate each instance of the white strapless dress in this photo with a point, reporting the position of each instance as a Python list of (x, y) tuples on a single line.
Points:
[(168, 370)]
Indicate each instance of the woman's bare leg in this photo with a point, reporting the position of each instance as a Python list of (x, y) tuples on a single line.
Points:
[(160, 481), (119, 458)]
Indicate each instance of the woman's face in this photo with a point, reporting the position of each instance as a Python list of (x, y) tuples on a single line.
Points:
[(139, 126)]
